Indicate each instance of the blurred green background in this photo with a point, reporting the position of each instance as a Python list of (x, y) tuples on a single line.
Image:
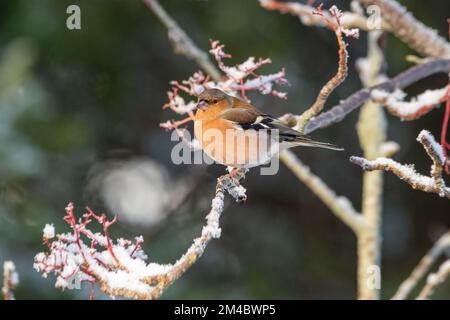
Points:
[(79, 121)]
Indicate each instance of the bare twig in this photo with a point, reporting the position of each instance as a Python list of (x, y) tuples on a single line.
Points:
[(182, 43), (404, 79), (10, 280), (445, 145), (433, 184), (418, 36), (341, 74), (434, 280), (339, 205), (422, 268)]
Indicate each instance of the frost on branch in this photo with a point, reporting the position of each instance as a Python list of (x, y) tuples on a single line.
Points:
[(235, 80), (433, 183), (334, 23), (409, 110), (10, 280), (119, 267)]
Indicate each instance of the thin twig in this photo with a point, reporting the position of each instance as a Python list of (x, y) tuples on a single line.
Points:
[(422, 268), (182, 43), (434, 280), (340, 75)]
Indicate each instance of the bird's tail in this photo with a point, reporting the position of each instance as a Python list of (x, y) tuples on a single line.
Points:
[(308, 142)]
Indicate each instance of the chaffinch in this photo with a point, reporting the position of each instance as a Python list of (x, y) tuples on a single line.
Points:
[(237, 134)]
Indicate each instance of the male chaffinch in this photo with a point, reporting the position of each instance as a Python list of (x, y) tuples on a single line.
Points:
[(237, 134)]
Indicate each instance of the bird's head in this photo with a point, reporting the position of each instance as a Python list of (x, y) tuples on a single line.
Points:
[(211, 97)]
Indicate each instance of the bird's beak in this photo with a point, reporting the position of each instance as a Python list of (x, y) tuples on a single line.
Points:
[(202, 105)]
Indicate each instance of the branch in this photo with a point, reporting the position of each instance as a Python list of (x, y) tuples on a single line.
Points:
[(434, 280), (423, 267), (433, 184), (371, 129), (339, 205), (414, 33), (445, 145), (413, 109), (304, 12), (403, 80), (10, 280), (234, 76), (182, 43), (341, 74), (119, 267)]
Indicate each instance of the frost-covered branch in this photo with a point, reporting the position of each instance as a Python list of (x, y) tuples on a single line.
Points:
[(435, 279), (337, 113), (422, 268), (334, 23), (236, 77), (414, 33), (119, 267), (414, 108), (182, 43), (304, 13), (10, 280), (434, 184)]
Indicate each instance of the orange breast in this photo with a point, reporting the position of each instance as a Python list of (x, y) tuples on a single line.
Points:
[(233, 147)]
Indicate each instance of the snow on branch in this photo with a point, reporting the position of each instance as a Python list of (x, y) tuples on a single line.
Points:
[(119, 267), (334, 23), (411, 31), (415, 108), (234, 76), (340, 111), (10, 280), (434, 183)]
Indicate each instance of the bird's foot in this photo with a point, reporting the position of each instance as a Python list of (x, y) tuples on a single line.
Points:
[(232, 184)]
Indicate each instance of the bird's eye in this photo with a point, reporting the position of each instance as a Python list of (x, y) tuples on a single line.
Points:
[(214, 101)]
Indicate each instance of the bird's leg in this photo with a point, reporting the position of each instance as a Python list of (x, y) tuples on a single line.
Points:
[(237, 174), (231, 183)]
